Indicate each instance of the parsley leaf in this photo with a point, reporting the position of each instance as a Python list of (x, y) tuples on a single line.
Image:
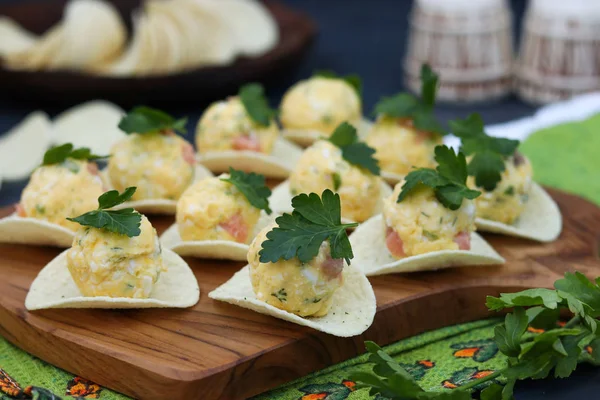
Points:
[(59, 154), (253, 98), (351, 79), (530, 297), (148, 120), (355, 152), (125, 221), (448, 180), (419, 110), (300, 234), (252, 187), (489, 153)]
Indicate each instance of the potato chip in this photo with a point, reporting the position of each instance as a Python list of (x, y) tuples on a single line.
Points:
[(278, 164), (306, 138), (32, 134), (93, 124), (253, 27), (281, 199), (373, 257), (351, 313), (127, 62), (540, 220), (33, 231), (37, 56), (215, 249), (155, 206), (54, 288), (14, 38)]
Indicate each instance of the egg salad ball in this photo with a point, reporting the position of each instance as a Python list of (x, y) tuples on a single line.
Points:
[(212, 209), (104, 263), (320, 104), (506, 203), (226, 125), (399, 146), (421, 224), (305, 289), (160, 165), (58, 191), (321, 167)]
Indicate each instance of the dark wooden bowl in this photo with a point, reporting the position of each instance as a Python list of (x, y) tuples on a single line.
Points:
[(200, 85)]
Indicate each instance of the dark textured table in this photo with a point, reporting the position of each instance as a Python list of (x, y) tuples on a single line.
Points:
[(367, 37)]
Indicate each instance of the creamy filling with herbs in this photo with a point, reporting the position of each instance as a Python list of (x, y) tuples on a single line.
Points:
[(506, 203), (56, 192), (225, 125), (215, 210), (159, 165), (305, 289), (400, 147), (320, 104), (103, 263), (421, 224), (321, 167)]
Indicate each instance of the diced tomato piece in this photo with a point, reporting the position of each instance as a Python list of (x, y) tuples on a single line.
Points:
[(236, 227), (246, 142), (394, 243), (463, 240), (332, 267), (20, 210), (188, 153), (92, 167)]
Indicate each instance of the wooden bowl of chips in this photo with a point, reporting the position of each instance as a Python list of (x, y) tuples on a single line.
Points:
[(200, 85)]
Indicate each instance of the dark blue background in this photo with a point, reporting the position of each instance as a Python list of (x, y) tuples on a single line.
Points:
[(365, 37)]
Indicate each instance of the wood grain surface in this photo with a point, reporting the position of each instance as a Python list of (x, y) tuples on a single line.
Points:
[(196, 86), (219, 351)]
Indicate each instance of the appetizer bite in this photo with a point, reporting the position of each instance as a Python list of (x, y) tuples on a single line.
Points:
[(241, 132), (427, 223), (67, 183), (406, 131), (510, 203), (313, 108), (218, 217), (154, 159), (342, 164), (115, 262), (299, 270)]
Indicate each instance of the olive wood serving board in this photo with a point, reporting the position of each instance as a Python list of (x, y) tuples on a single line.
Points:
[(219, 351)]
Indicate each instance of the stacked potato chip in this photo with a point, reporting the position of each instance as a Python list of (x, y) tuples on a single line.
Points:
[(168, 36)]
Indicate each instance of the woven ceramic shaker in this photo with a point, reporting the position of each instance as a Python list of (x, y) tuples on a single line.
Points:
[(560, 50), (468, 43)]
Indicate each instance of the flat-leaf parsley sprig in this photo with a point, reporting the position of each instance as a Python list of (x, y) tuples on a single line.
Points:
[(448, 180), (144, 119), (252, 96), (420, 110), (489, 153), (353, 150), (300, 234), (556, 350), (125, 221), (60, 154), (252, 186)]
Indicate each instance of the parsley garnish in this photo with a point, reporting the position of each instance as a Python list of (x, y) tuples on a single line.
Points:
[(355, 152), (557, 349), (59, 154), (420, 110), (126, 221), (300, 234), (448, 180), (148, 120), (252, 187), (351, 79), (253, 98), (489, 153)]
